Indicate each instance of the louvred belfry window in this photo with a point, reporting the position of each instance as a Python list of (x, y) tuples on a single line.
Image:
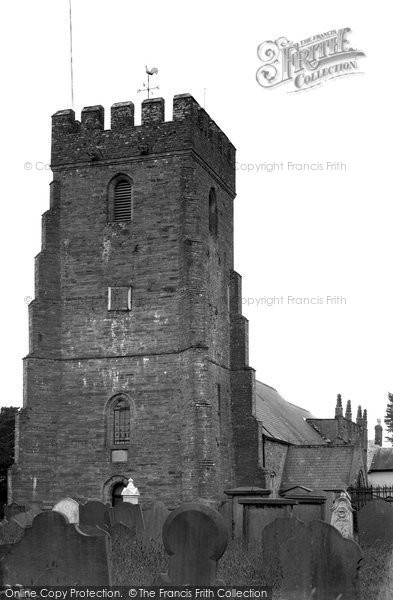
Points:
[(122, 205), (121, 422)]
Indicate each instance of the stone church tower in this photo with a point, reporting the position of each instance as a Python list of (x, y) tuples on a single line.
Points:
[(138, 360)]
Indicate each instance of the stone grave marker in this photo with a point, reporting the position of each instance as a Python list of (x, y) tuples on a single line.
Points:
[(92, 517), (69, 508), (342, 515), (311, 560), (25, 519), (195, 537), (54, 552), (375, 522), (10, 532), (127, 514), (13, 509), (154, 519)]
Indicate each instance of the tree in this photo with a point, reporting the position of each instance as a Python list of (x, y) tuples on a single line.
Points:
[(7, 435), (389, 418)]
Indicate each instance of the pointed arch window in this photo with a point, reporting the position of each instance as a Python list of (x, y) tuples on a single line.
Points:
[(213, 213)]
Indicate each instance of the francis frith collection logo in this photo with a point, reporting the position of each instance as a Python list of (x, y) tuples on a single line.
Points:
[(307, 63)]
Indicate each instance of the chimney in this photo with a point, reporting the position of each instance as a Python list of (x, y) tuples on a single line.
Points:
[(378, 433), (348, 411), (339, 406)]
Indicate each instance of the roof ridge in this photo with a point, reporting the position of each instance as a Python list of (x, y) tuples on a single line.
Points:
[(267, 385)]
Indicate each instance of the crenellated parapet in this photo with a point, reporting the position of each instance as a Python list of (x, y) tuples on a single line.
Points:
[(86, 141)]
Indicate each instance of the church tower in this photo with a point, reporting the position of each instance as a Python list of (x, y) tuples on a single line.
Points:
[(138, 360)]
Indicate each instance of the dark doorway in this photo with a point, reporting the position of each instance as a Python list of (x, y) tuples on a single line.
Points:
[(116, 494)]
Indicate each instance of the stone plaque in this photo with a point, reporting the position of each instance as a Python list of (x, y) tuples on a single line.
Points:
[(119, 455)]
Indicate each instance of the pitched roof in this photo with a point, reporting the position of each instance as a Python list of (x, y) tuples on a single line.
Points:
[(323, 467), (282, 420), (382, 460)]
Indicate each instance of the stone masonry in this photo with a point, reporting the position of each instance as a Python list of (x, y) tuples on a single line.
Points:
[(178, 348)]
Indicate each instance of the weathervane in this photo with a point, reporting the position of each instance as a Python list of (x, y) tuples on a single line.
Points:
[(147, 88)]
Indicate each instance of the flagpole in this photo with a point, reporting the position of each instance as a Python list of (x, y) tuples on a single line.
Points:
[(71, 58)]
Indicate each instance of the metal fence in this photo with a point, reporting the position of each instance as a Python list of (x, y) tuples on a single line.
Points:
[(361, 495)]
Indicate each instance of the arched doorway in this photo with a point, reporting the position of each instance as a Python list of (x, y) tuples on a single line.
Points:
[(117, 489)]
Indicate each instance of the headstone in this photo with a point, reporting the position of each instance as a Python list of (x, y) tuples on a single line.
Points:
[(69, 508), (375, 523), (342, 515), (92, 517), (54, 552), (10, 532), (130, 493), (311, 559), (127, 514), (13, 509), (195, 537), (154, 519), (25, 519)]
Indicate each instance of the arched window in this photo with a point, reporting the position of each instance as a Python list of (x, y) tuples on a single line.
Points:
[(117, 498), (213, 214), (120, 199), (121, 421)]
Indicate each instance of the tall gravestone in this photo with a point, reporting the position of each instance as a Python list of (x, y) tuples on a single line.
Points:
[(92, 517), (126, 514), (154, 518), (312, 560), (342, 515), (54, 552), (195, 537), (375, 523)]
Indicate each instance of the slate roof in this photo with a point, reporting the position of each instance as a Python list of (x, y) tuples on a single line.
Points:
[(382, 460), (282, 420), (323, 468)]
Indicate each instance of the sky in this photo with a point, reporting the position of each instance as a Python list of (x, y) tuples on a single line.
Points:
[(298, 233)]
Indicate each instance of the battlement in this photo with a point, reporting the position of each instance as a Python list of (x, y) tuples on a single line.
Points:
[(86, 141)]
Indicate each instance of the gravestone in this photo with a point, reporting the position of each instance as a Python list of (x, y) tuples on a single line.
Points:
[(375, 522), (10, 532), (13, 509), (92, 517), (154, 518), (195, 537), (312, 560), (25, 519), (130, 493), (69, 508), (54, 552), (127, 514), (342, 515)]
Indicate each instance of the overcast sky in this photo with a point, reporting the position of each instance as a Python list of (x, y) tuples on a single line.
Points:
[(297, 233)]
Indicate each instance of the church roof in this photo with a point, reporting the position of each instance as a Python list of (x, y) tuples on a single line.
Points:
[(321, 468), (282, 420), (382, 460)]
